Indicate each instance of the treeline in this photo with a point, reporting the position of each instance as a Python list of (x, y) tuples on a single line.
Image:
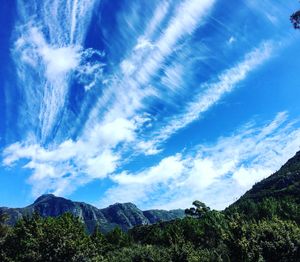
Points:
[(267, 231)]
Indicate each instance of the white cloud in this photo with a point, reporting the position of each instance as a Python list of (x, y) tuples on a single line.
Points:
[(159, 15), (173, 77), (185, 20), (143, 44), (111, 133), (148, 147), (73, 163), (102, 165), (58, 61), (216, 174), (138, 187), (123, 95), (81, 14), (127, 67), (168, 168), (203, 173), (231, 40), (246, 177)]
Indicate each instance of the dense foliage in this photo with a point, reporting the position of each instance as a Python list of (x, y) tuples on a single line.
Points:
[(295, 19), (266, 231)]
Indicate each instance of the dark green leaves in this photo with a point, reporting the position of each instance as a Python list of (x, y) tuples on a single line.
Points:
[(295, 19)]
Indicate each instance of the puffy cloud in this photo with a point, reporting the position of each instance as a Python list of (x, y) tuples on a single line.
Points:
[(168, 168), (102, 165), (57, 60), (63, 168)]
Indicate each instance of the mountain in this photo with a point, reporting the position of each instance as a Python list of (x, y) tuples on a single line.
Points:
[(125, 215)]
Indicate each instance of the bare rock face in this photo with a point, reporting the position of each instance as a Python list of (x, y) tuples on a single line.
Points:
[(125, 215)]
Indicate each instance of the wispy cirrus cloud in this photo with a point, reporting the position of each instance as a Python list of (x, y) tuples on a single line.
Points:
[(213, 92), (46, 54), (146, 58)]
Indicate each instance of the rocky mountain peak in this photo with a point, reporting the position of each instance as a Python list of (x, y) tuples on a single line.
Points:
[(44, 197)]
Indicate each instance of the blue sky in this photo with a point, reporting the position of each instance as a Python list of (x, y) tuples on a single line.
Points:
[(153, 102)]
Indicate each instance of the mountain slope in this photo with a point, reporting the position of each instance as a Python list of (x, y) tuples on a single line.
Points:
[(125, 215), (275, 196), (283, 183)]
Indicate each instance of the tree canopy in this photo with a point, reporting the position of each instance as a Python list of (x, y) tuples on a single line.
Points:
[(295, 19)]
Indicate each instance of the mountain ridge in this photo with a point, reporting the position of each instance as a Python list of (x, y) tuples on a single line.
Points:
[(283, 183), (123, 215)]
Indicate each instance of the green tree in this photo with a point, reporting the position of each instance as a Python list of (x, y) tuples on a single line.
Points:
[(198, 211), (275, 238), (295, 19), (139, 253), (48, 239), (100, 245), (3, 233), (22, 244), (3, 226), (117, 238), (64, 239)]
